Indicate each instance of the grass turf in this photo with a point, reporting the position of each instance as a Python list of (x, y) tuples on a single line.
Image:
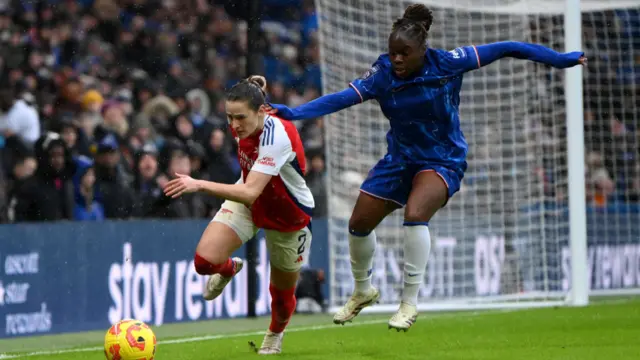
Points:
[(607, 330)]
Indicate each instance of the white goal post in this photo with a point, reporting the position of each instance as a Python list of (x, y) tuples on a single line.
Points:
[(520, 232)]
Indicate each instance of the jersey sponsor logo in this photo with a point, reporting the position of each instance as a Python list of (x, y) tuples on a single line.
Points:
[(246, 162), (267, 161), (370, 72)]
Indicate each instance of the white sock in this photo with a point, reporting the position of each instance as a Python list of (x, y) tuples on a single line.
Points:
[(417, 245), (362, 250)]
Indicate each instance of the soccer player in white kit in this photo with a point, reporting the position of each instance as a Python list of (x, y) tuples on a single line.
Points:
[(271, 194)]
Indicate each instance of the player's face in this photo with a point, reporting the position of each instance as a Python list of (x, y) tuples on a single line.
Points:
[(406, 55), (243, 120)]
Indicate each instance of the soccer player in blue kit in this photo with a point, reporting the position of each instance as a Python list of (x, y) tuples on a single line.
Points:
[(418, 91)]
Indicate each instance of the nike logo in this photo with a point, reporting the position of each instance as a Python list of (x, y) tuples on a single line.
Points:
[(400, 88), (412, 275)]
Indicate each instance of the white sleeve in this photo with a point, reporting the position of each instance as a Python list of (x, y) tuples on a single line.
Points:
[(275, 150), (31, 132)]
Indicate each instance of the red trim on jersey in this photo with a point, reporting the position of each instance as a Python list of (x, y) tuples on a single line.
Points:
[(357, 91), (477, 56)]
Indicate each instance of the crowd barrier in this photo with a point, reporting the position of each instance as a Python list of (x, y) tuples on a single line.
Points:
[(69, 277)]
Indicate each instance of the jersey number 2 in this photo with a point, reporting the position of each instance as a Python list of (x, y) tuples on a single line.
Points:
[(302, 240)]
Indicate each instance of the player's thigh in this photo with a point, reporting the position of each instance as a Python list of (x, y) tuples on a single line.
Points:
[(288, 252), (386, 189), (230, 228), (431, 189)]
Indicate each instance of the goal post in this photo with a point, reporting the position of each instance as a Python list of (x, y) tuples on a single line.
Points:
[(579, 293), (520, 232)]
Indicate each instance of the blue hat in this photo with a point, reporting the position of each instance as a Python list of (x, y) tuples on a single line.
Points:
[(108, 143)]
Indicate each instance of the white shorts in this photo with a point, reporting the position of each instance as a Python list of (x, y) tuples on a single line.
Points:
[(288, 251)]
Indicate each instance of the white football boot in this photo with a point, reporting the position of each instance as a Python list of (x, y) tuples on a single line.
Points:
[(272, 343), (356, 303), (217, 282), (405, 317)]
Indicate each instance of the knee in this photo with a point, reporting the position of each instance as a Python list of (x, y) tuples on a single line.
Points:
[(359, 225), (416, 214), (204, 266), (283, 277)]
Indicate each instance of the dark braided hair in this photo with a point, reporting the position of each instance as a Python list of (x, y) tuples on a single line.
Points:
[(415, 23), (252, 90)]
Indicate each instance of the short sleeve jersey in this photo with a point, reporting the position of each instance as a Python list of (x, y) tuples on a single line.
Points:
[(286, 203), (423, 110)]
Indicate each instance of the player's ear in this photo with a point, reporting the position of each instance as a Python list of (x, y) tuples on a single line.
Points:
[(263, 109)]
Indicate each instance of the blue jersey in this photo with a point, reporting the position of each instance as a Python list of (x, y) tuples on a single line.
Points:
[(423, 110)]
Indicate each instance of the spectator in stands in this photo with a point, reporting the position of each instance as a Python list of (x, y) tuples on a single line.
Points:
[(112, 181), (317, 180), (219, 165), (94, 65), (600, 185), (24, 167), (20, 118), (48, 194), (148, 183), (86, 208), (189, 206)]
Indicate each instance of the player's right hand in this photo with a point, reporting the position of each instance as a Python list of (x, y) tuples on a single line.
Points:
[(183, 184)]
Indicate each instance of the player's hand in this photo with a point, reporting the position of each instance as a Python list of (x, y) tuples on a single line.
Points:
[(282, 111), (183, 184), (582, 60)]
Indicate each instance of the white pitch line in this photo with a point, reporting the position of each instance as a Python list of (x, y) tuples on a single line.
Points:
[(236, 335), (187, 340)]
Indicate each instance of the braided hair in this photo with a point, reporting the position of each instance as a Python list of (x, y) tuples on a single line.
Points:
[(415, 23)]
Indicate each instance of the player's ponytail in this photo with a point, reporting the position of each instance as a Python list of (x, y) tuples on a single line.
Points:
[(253, 90), (416, 22)]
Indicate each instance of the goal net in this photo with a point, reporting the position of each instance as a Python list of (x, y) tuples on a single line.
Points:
[(504, 237)]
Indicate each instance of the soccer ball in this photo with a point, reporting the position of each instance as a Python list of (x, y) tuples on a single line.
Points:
[(130, 340)]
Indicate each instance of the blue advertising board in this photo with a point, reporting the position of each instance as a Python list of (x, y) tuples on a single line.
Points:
[(67, 277)]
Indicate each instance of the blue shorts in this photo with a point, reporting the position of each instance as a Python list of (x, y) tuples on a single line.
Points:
[(393, 180)]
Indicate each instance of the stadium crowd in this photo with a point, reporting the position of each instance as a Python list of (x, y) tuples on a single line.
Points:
[(103, 101)]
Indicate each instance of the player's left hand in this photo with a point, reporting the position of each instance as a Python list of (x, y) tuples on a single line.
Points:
[(183, 184), (280, 110), (582, 60)]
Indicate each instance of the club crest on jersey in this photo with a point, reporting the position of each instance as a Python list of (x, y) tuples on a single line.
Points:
[(458, 53), (370, 72)]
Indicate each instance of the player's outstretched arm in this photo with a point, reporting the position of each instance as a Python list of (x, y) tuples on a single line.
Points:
[(321, 106), (491, 52), (245, 193)]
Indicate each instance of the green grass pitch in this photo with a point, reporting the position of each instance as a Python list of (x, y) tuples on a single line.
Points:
[(607, 330)]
